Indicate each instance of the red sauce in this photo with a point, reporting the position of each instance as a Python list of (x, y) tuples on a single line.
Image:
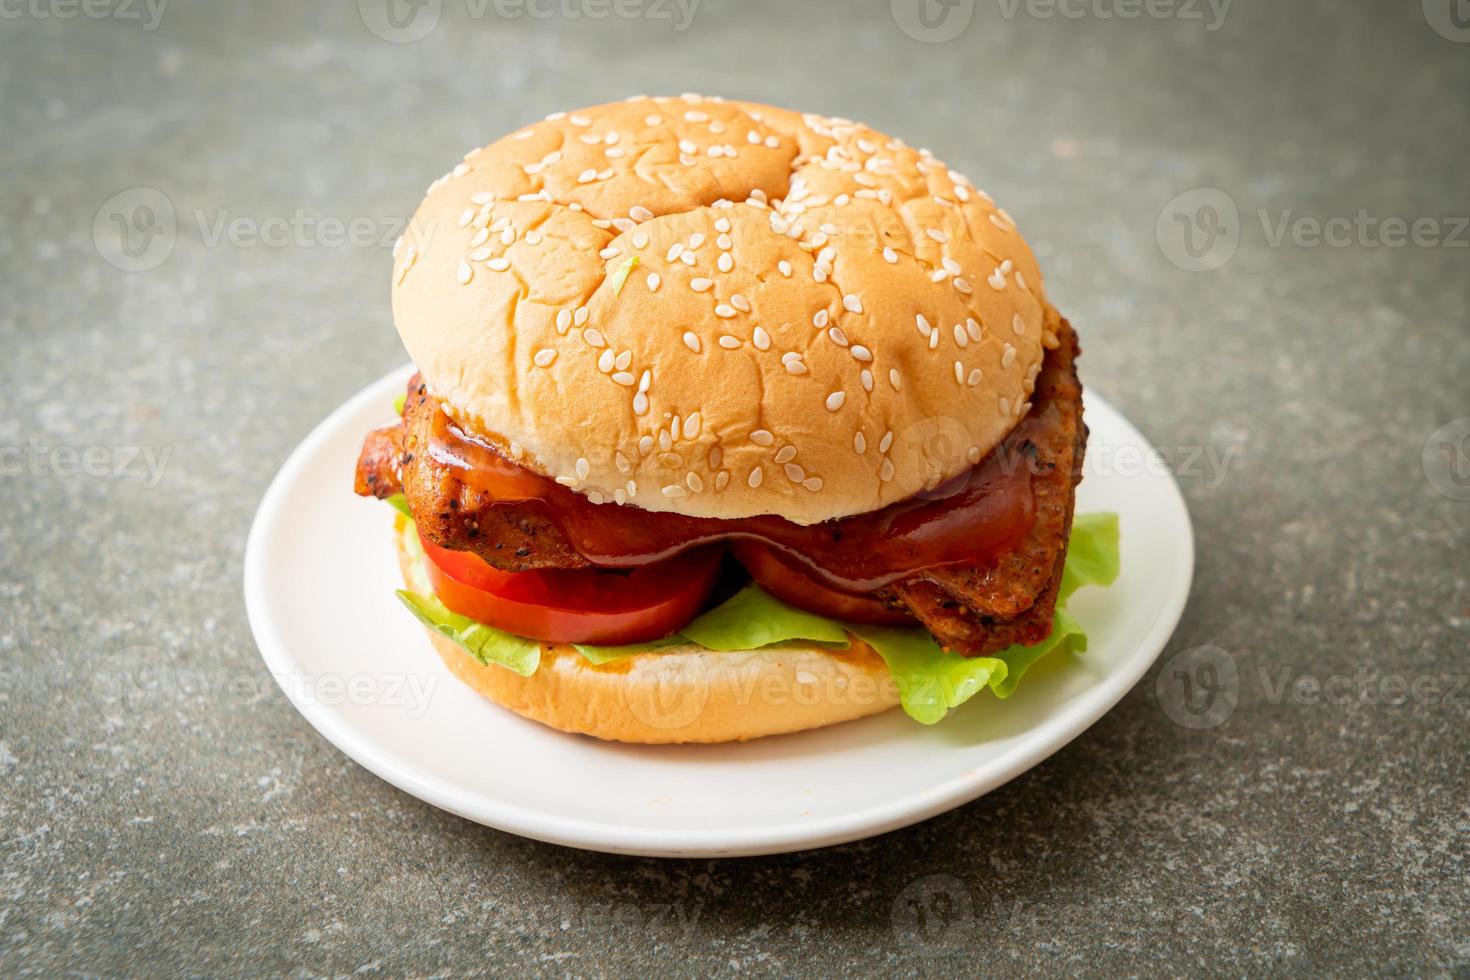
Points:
[(973, 518)]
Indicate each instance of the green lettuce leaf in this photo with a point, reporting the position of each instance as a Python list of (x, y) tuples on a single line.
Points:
[(399, 503), (930, 682), (604, 655), (1092, 553), (399, 402), (751, 619), (485, 643)]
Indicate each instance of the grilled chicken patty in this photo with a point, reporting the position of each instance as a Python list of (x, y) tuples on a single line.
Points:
[(974, 609)]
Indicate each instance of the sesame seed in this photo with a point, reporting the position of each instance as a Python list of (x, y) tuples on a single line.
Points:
[(605, 362), (974, 377), (922, 324), (1005, 405), (866, 377), (563, 320), (567, 481), (785, 268), (728, 342), (721, 479), (467, 217), (895, 379), (794, 472), (762, 438), (645, 379), (653, 282), (499, 264), (696, 239), (950, 266), (694, 482), (835, 400), (726, 262), (761, 339), (859, 444), (580, 315), (544, 357), (692, 425), (622, 463), (691, 341), (632, 488), (960, 336), (934, 340), (889, 255), (821, 319), (533, 237), (715, 456), (640, 404), (756, 475), (583, 468), (587, 176), (675, 491), (795, 367), (772, 142), (699, 284), (997, 280), (937, 235), (724, 311), (885, 442), (786, 455), (1018, 325), (624, 378), (812, 483), (640, 240), (852, 303), (963, 286), (611, 252), (1020, 279), (885, 472), (674, 251), (593, 337), (1009, 357), (837, 336), (624, 359), (740, 303), (645, 445), (972, 327), (959, 373), (464, 273)]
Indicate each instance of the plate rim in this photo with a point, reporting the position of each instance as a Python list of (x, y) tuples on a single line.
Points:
[(1040, 742)]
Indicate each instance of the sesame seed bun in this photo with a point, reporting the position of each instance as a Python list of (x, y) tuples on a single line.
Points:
[(722, 309), (683, 693)]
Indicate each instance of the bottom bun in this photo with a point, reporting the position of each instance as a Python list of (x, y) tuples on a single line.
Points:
[(683, 693)]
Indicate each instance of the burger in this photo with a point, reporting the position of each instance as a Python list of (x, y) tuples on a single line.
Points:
[(730, 421)]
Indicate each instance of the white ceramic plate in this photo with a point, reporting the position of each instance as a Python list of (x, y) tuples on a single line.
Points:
[(320, 571)]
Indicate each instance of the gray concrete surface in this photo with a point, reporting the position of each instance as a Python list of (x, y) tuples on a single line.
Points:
[(166, 809)]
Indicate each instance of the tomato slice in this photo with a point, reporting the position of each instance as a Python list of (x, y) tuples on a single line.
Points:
[(607, 608), (791, 585)]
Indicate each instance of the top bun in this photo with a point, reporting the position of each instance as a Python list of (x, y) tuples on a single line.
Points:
[(722, 309)]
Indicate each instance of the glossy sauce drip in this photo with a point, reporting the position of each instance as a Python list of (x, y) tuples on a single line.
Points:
[(973, 518)]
